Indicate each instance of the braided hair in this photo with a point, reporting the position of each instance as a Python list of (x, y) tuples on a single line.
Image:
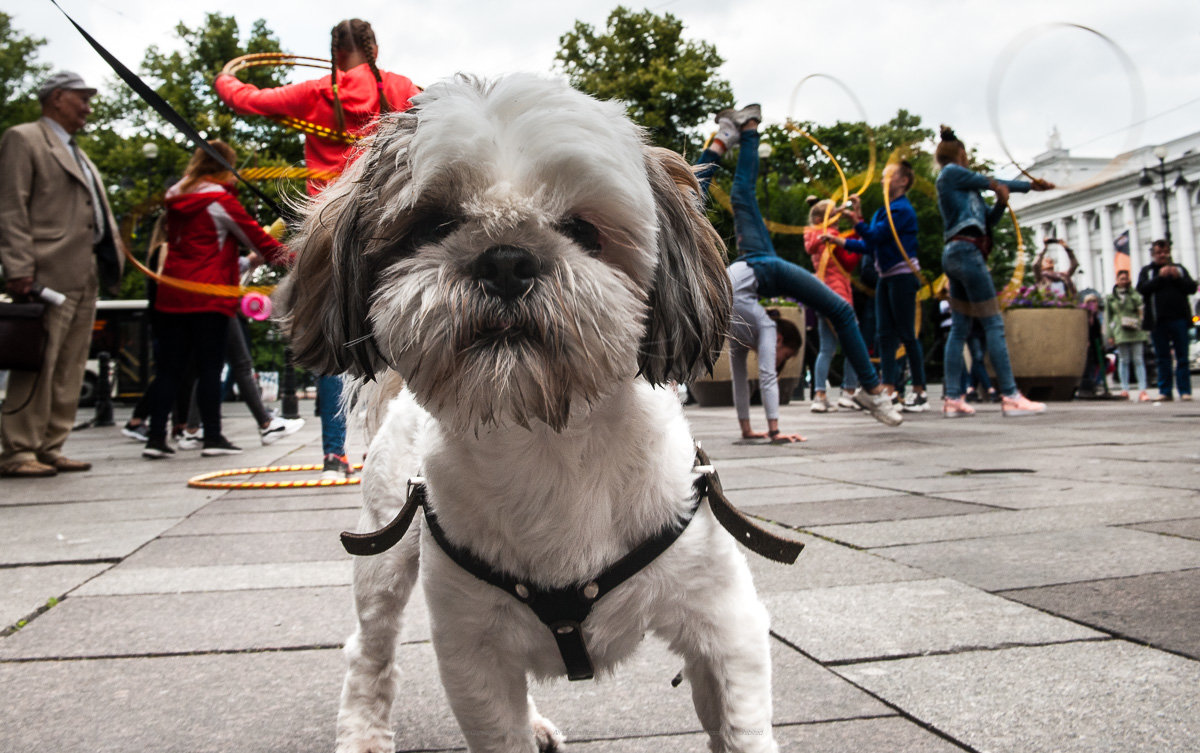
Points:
[(352, 35)]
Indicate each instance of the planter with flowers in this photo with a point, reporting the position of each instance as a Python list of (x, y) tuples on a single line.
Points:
[(1047, 338), (717, 389)]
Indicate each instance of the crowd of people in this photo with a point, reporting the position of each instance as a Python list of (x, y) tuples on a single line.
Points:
[(57, 232)]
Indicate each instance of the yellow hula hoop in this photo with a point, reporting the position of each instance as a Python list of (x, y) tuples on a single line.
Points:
[(206, 288), (1137, 97), (282, 58), (1014, 283), (206, 480)]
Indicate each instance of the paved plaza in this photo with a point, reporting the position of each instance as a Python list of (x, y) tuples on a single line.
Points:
[(993, 585)]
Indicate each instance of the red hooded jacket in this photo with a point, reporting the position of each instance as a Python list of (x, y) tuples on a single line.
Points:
[(204, 229), (836, 276), (312, 101)]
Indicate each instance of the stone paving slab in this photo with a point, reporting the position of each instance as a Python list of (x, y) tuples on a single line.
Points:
[(891, 733), (1004, 523), (80, 541), (803, 490), (290, 500), (1056, 492), (238, 549), (333, 521), (121, 581), (1095, 697), (23, 590), (84, 487), (870, 510), (858, 623), (108, 511), (274, 702), (1188, 529), (95, 626), (822, 564), (1161, 609), (1043, 559)]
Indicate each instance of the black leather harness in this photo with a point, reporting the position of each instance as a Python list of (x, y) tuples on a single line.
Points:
[(563, 610)]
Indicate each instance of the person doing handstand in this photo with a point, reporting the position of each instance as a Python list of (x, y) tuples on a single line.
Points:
[(775, 276)]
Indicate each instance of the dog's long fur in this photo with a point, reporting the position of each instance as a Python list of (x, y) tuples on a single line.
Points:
[(539, 421)]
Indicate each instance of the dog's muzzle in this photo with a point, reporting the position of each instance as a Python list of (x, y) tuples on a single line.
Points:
[(506, 272)]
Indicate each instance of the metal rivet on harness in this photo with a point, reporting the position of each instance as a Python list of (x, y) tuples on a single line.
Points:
[(565, 629), (591, 590), (521, 591)]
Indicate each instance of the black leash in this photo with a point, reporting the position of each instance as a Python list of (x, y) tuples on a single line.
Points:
[(162, 108)]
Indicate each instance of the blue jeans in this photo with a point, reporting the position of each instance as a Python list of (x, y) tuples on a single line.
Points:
[(1167, 337), (778, 277), (895, 313), (971, 283), (829, 343), (333, 420), (979, 375)]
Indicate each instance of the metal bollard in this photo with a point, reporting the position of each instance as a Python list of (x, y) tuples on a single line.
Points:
[(287, 388), (104, 406)]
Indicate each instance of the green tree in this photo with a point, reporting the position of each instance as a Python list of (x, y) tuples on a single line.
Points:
[(20, 74), (668, 83), (122, 124)]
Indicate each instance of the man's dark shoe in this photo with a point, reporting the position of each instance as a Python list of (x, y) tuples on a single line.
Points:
[(219, 446), (157, 449)]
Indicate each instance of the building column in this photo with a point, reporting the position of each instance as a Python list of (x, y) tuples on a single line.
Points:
[(1087, 265), (1129, 210), (1108, 251), (1185, 245)]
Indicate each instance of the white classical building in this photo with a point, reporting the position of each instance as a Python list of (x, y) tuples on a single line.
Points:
[(1108, 198)]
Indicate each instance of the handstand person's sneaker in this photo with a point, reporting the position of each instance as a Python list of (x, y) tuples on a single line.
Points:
[(956, 408), (880, 406), (727, 133), (1019, 405), (847, 401), (743, 116)]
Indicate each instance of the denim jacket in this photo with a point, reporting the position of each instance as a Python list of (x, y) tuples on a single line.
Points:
[(960, 203)]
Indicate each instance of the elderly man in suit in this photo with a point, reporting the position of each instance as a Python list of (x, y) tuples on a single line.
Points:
[(56, 232)]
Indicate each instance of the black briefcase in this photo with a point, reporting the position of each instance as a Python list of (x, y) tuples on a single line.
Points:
[(22, 337)]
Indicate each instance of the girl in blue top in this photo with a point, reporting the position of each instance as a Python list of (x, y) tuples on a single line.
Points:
[(968, 223), (899, 280)]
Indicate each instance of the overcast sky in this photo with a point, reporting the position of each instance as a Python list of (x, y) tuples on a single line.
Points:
[(890, 54)]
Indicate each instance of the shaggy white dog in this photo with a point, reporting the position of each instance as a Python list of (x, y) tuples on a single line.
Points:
[(535, 275)]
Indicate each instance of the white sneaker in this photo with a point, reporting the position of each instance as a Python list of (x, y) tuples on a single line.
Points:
[(880, 406), (847, 401), (191, 440), (727, 133), (280, 427), (821, 405)]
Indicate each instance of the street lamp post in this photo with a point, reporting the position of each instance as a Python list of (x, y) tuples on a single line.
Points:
[(765, 150), (1164, 197)]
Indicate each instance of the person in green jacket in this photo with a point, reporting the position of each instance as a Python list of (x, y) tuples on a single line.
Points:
[(1123, 313)]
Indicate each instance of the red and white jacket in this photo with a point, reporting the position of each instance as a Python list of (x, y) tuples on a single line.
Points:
[(312, 101), (205, 227)]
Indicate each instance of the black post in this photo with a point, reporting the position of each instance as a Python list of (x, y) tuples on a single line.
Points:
[(287, 387), (1166, 210), (104, 406)]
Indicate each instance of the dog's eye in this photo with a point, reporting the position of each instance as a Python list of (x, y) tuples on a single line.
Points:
[(582, 232), (432, 229)]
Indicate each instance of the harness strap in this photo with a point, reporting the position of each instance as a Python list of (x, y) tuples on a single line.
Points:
[(563, 610)]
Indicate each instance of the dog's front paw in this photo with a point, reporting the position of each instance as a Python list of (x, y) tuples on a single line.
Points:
[(377, 741), (549, 739)]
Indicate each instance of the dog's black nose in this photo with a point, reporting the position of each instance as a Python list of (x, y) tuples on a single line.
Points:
[(506, 271)]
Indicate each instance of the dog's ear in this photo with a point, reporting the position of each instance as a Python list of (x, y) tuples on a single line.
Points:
[(691, 298), (324, 301)]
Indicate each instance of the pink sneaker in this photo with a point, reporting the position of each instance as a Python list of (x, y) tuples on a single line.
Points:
[(1020, 406), (956, 408)]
